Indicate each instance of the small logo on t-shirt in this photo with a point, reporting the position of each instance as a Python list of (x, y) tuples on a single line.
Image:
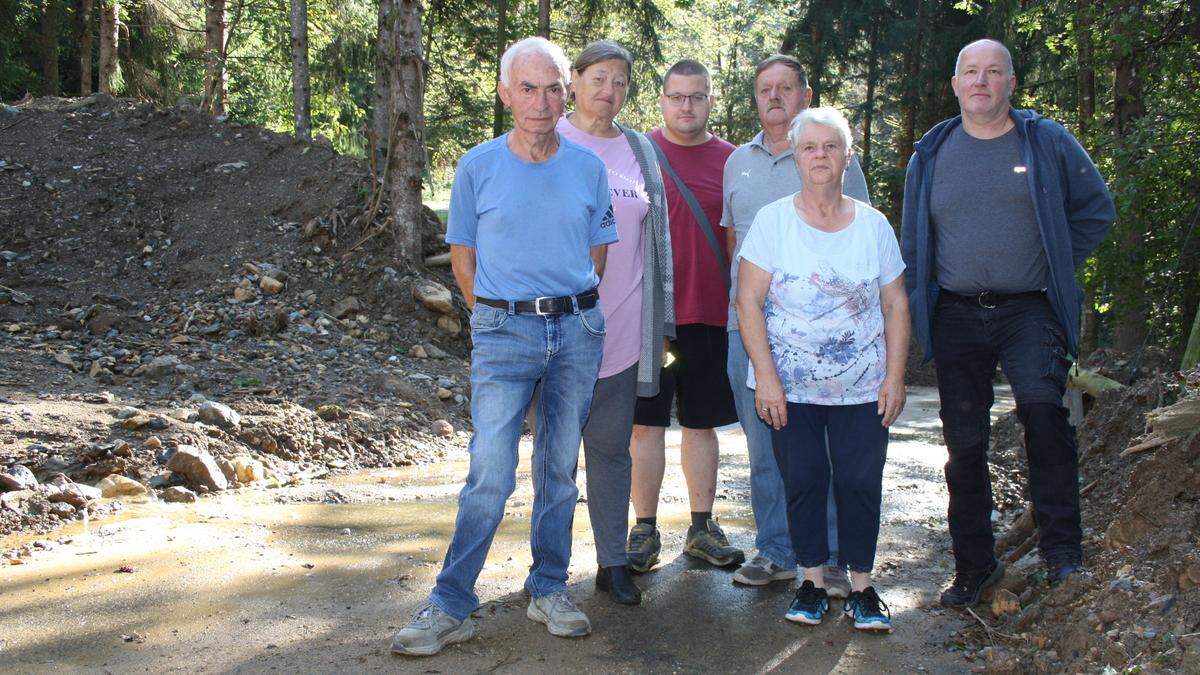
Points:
[(609, 219), (1018, 169)]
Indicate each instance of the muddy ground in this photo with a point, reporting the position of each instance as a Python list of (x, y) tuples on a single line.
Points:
[(317, 577)]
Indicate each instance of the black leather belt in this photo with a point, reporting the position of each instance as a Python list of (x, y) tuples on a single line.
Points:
[(544, 306), (990, 299)]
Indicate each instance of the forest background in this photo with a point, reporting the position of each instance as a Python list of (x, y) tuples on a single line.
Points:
[(1123, 75)]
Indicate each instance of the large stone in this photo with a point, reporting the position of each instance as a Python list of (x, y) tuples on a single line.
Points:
[(249, 470), (16, 501), (227, 469), (178, 494), (434, 296), (442, 428), (270, 286), (117, 485), (345, 306), (18, 477), (198, 467), (219, 415), (162, 366), (449, 324), (76, 495), (1004, 603)]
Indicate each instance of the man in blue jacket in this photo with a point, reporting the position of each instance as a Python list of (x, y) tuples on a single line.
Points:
[(1000, 207)]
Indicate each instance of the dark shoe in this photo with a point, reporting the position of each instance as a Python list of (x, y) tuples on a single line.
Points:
[(618, 582), (968, 586), (711, 546), (1058, 569), (809, 606), (643, 547)]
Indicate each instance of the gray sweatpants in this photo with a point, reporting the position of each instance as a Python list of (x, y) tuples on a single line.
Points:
[(609, 465)]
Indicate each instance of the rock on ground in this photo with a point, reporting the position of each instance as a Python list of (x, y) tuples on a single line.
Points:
[(198, 467)]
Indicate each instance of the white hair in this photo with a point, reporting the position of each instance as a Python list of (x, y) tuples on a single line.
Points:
[(1007, 54), (825, 116), (534, 46)]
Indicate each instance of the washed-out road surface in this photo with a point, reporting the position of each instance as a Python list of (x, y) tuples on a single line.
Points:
[(316, 578)]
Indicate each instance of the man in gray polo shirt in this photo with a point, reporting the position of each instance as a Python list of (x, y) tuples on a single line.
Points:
[(1000, 207), (757, 174)]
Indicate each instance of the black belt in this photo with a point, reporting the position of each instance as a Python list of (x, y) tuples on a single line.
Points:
[(543, 306), (990, 299)]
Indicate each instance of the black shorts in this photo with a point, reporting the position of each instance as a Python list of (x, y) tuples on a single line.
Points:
[(698, 376)]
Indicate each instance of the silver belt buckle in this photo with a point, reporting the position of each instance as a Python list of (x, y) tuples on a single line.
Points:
[(982, 298), (537, 306)]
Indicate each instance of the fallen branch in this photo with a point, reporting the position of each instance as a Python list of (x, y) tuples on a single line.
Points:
[(1088, 488), (1146, 446), (992, 632), (438, 260)]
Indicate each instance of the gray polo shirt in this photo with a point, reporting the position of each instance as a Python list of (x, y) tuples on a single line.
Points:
[(754, 178)]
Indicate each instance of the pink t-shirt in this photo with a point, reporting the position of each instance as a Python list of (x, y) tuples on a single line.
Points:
[(621, 285)]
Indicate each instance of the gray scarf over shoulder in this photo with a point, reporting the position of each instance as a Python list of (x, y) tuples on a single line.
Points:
[(658, 272)]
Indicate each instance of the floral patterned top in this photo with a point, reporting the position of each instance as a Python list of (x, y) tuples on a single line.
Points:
[(824, 321)]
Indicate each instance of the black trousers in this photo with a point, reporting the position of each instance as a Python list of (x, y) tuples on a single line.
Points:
[(1025, 338)]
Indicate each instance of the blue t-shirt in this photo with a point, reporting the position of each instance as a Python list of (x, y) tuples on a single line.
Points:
[(532, 224)]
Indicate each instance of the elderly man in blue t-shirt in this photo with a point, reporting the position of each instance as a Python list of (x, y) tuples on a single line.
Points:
[(530, 222)]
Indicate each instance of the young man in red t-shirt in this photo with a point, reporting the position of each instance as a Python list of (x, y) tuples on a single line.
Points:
[(696, 378)]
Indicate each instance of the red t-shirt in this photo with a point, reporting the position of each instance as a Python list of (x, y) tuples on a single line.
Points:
[(700, 293)]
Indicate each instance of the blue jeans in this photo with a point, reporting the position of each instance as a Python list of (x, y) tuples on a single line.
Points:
[(512, 353), (1025, 338), (767, 498), (850, 440)]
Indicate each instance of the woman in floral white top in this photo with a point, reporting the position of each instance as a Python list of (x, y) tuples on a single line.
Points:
[(824, 318)]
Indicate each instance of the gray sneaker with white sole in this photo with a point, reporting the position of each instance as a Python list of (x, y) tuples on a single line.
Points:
[(429, 630), (761, 571), (837, 582), (559, 613)]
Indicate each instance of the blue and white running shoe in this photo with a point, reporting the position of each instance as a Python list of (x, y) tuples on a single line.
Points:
[(868, 611), (810, 605)]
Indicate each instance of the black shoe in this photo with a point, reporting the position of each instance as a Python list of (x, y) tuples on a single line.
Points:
[(1059, 568), (968, 586), (618, 582)]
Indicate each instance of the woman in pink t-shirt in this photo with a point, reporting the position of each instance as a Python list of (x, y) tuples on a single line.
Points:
[(636, 297)]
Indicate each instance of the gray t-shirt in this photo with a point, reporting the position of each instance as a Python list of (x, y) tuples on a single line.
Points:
[(754, 178), (986, 235)]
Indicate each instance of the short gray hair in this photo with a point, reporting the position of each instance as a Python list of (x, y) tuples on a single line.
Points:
[(826, 116), (531, 46), (1007, 54), (600, 51)]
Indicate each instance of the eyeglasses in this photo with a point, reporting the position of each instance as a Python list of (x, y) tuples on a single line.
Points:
[(676, 100)]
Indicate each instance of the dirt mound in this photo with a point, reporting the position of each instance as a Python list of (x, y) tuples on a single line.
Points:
[(1139, 606), (156, 261)]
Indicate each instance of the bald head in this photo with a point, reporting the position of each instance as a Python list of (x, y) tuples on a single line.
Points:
[(985, 47)]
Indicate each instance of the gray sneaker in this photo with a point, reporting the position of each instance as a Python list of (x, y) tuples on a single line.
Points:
[(711, 545), (429, 630), (761, 571), (837, 582), (559, 613), (643, 547)]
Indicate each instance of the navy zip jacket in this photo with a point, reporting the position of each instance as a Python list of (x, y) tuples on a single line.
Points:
[(1073, 207)]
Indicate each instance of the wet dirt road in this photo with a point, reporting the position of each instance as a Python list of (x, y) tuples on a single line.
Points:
[(259, 581)]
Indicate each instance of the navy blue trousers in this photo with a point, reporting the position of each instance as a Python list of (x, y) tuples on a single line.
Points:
[(857, 449), (1026, 339)]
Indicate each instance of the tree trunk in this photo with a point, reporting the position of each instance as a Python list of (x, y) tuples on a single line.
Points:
[(50, 80), (1129, 299), (85, 47), (1085, 80), (110, 73), (869, 104), (501, 45), (213, 101), (544, 18), (300, 82), (402, 61), (1191, 353)]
